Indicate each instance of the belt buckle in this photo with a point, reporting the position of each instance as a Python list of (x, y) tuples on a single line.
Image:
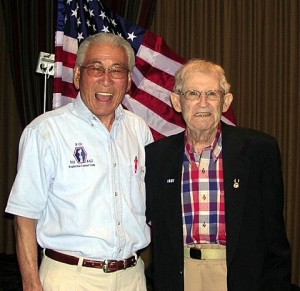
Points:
[(195, 253), (105, 267), (124, 264)]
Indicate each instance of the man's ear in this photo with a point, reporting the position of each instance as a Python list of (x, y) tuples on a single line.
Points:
[(76, 76), (129, 82), (227, 101), (175, 100)]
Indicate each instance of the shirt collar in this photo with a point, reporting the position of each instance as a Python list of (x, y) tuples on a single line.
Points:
[(215, 147), (217, 143), (82, 111)]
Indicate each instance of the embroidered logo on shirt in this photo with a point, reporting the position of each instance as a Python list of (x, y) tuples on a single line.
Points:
[(80, 157)]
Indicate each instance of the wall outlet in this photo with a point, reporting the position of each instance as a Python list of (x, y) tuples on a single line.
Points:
[(45, 64)]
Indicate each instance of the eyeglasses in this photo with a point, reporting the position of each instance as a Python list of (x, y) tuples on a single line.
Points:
[(95, 70), (193, 95)]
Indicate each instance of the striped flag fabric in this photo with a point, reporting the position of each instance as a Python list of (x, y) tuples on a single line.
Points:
[(153, 74)]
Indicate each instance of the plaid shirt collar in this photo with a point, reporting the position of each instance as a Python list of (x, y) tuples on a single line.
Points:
[(215, 147)]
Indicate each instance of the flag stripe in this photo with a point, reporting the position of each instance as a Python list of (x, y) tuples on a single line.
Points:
[(60, 85), (155, 75), (65, 72), (68, 59), (158, 60), (160, 108), (60, 100), (157, 43), (150, 87), (153, 120)]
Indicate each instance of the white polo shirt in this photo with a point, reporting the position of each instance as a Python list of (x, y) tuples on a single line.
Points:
[(84, 184)]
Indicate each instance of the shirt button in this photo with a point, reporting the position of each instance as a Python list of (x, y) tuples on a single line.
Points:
[(116, 193), (114, 164)]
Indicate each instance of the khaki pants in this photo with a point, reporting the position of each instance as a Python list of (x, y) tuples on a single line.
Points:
[(59, 276), (205, 275)]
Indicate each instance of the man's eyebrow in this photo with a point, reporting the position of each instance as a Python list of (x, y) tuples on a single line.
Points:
[(100, 63), (95, 62)]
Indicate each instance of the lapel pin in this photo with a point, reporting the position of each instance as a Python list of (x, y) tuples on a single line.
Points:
[(236, 183), (169, 181)]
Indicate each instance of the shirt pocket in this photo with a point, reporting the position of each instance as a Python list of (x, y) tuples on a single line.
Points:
[(137, 190)]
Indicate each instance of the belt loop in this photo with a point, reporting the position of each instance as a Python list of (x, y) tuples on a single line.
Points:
[(79, 265)]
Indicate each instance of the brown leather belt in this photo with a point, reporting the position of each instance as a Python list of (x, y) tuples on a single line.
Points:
[(108, 266)]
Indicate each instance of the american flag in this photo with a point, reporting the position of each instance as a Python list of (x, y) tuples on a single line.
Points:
[(153, 74)]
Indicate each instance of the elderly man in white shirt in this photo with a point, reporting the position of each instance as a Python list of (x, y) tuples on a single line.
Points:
[(79, 192)]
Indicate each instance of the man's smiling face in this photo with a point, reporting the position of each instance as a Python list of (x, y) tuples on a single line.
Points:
[(103, 94)]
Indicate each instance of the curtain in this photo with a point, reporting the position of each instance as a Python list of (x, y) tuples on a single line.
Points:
[(257, 42), (30, 27), (26, 28), (10, 129)]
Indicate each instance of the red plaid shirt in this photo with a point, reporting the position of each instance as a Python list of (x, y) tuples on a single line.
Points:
[(203, 203)]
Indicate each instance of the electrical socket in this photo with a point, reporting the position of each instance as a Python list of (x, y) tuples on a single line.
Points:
[(45, 64)]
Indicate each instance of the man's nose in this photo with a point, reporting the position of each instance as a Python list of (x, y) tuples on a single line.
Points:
[(203, 98), (106, 78)]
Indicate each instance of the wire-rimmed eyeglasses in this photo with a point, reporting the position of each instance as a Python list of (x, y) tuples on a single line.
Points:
[(95, 70), (193, 95)]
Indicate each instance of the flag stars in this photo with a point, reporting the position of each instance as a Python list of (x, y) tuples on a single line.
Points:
[(94, 27), (78, 22), (105, 29), (91, 12), (102, 14), (113, 22), (131, 36), (88, 23), (69, 2), (74, 13), (85, 8), (80, 36)]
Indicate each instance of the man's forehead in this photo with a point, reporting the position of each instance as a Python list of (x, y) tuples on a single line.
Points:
[(199, 76)]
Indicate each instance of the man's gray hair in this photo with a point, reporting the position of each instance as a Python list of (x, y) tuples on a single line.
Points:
[(205, 67), (104, 38)]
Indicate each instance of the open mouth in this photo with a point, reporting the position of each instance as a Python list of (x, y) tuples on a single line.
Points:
[(202, 114), (103, 97)]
